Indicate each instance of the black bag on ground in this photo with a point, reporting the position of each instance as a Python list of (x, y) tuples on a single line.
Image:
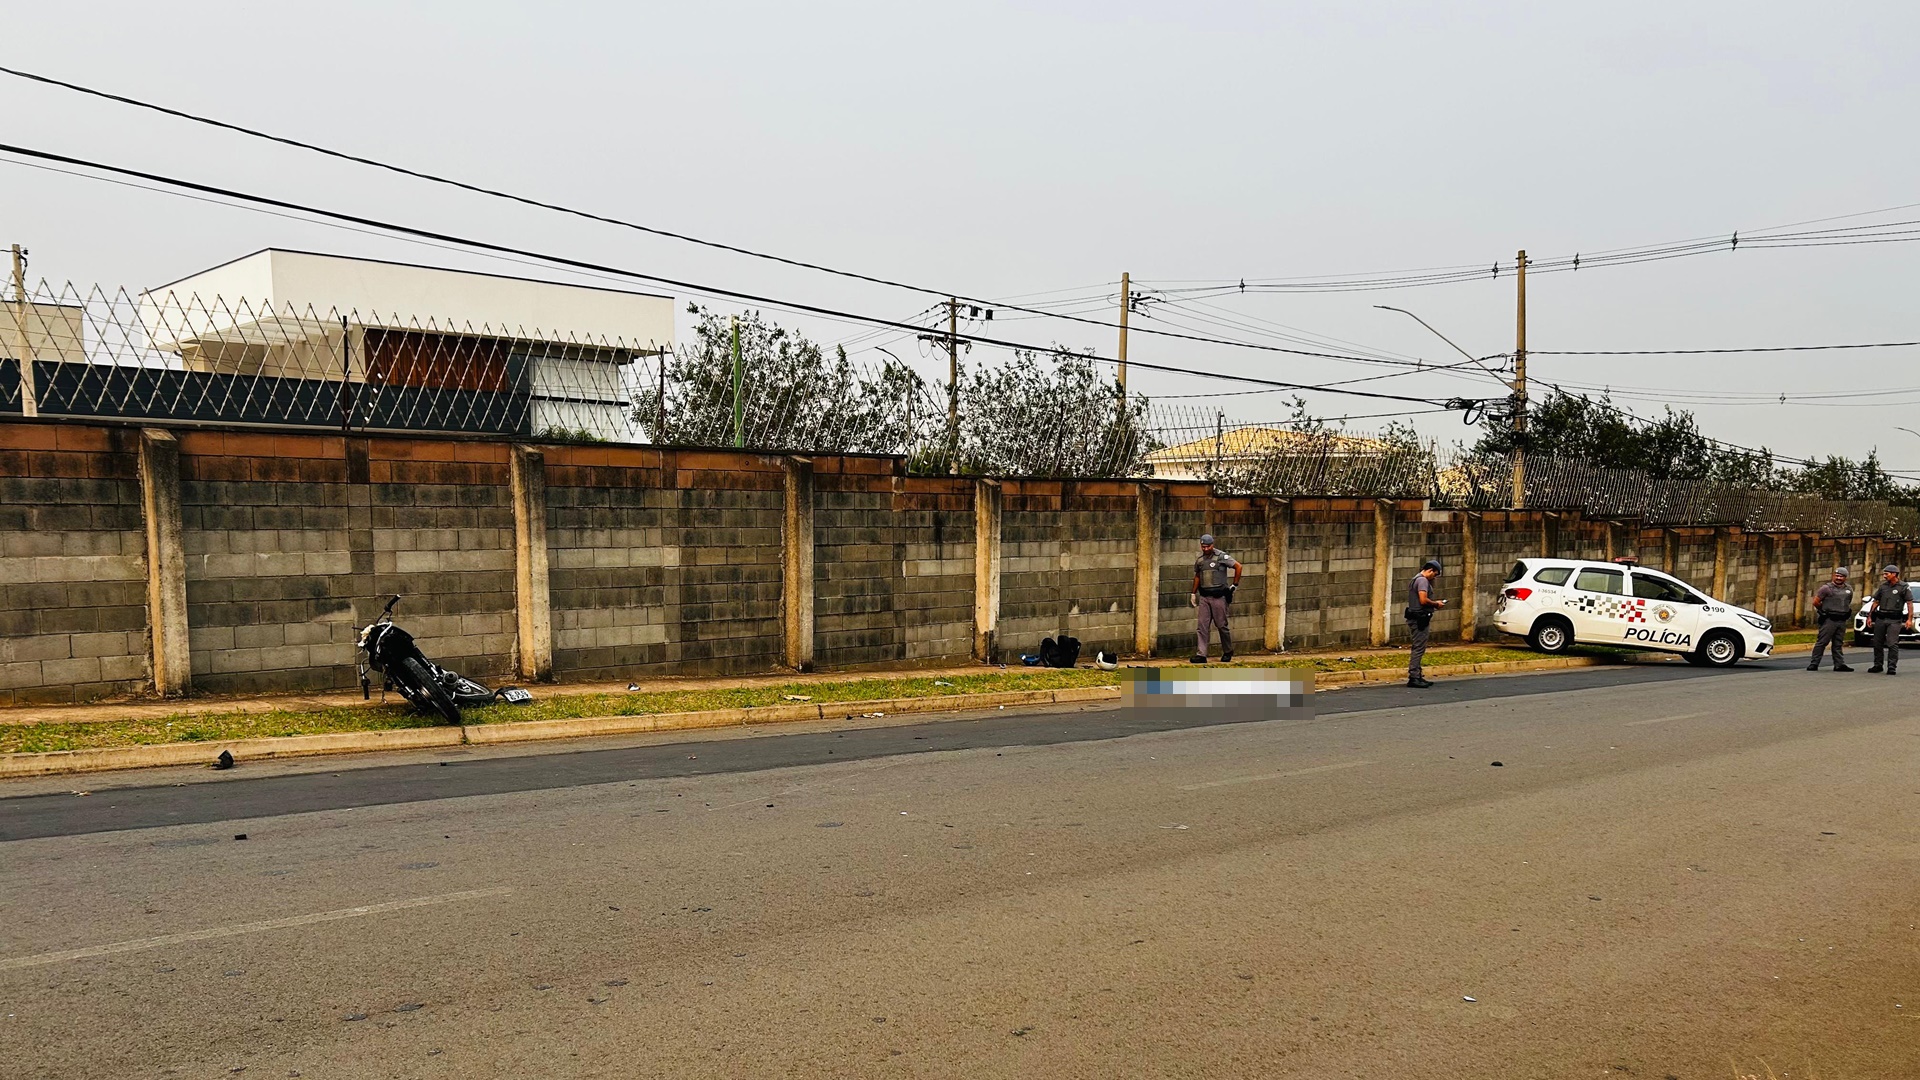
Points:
[(1063, 653)]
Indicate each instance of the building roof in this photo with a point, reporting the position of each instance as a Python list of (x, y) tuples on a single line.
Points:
[(1256, 440), (278, 286)]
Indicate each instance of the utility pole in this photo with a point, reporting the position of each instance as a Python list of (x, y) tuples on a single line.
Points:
[(739, 401), (1126, 301), (953, 385), (1520, 387), (29, 395)]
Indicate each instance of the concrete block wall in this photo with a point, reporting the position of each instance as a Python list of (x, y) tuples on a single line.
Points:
[(73, 573), (1330, 568), (662, 561), (893, 565), (267, 532), (441, 518), (292, 542), (1067, 563), (656, 561)]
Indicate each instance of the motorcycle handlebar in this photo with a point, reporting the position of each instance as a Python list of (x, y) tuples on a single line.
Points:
[(389, 608)]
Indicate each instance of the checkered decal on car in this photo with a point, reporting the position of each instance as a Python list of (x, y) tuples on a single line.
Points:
[(1631, 609)]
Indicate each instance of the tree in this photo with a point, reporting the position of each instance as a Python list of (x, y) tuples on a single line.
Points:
[(1045, 414), (1597, 432), (795, 397), (1836, 477)]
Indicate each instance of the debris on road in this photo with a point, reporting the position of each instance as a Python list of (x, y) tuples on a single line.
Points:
[(796, 697), (1499, 764), (224, 761), (1464, 998)]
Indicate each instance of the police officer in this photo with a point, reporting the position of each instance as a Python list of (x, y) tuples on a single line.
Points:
[(1892, 610), (1419, 615), (1833, 609), (1215, 576)]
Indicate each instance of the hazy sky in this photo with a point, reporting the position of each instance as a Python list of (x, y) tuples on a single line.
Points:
[(1000, 149)]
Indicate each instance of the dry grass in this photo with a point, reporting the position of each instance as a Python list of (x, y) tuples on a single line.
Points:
[(557, 704)]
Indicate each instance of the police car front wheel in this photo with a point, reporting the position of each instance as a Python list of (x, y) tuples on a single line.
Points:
[(1719, 650)]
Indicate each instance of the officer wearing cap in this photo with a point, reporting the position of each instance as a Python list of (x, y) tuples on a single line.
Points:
[(1832, 608), (1215, 576), (1419, 615), (1892, 609)]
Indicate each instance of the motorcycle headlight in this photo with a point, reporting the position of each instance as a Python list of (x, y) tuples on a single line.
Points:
[(1756, 622)]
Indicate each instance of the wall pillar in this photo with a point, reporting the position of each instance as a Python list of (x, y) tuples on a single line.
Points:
[(1274, 610), (1381, 622), (1722, 545), (1469, 576), (1149, 506), (527, 474), (796, 567), (1670, 552), (1802, 573), (166, 563), (1763, 579), (986, 569)]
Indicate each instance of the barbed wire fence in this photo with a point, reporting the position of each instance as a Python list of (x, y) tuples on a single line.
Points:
[(170, 358)]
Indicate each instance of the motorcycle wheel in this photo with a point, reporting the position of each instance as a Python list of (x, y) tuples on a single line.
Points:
[(430, 686)]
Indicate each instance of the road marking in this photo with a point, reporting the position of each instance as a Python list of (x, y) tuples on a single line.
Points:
[(1274, 776), (139, 944), (1664, 719)]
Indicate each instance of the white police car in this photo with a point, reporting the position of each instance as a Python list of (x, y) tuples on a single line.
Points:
[(1556, 603)]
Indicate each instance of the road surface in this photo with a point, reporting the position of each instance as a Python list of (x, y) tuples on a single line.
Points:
[(1670, 873)]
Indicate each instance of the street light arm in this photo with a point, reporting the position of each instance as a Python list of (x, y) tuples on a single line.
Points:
[(1476, 360)]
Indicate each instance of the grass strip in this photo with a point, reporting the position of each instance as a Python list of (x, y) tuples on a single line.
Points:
[(555, 704)]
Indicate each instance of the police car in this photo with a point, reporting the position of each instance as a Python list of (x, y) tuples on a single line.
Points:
[(1556, 603)]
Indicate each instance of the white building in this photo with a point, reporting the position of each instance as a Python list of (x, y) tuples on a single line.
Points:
[(427, 343)]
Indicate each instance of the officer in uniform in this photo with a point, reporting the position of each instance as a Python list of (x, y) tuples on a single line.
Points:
[(1892, 610), (1833, 609), (1419, 615), (1215, 576)]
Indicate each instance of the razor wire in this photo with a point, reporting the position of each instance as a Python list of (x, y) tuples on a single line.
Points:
[(166, 357)]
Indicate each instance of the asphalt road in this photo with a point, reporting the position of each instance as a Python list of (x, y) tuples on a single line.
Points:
[(1671, 873)]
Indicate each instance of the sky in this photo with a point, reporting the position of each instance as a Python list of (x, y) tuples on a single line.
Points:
[(1039, 150)]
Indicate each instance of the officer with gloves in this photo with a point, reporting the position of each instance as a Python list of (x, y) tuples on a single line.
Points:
[(1419, 614), (1215, 576), (1892, 609)]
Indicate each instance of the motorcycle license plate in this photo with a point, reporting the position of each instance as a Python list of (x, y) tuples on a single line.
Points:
[(515, 696)]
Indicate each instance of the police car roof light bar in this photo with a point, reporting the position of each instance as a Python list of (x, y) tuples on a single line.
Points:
[(1628, 560)]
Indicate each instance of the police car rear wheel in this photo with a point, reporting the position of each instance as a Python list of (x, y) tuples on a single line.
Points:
[(1720, 650), (1551, 635)]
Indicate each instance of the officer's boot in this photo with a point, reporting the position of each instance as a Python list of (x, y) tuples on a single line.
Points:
[(1226, 645)]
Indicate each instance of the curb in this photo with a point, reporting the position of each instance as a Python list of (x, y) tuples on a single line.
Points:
[(59, 762)]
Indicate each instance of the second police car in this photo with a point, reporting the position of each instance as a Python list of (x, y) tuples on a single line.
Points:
[(1556, 603)]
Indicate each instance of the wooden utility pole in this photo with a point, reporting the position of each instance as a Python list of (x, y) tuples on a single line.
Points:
[(1126, 301), (739, 400), (953, 385), (29, 395), (1520, 387)]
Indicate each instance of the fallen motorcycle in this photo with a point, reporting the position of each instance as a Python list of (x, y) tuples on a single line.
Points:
[(387, 649)]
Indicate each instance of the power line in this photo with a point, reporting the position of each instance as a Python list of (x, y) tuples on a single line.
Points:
[(576, 264), (1707, 352)]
